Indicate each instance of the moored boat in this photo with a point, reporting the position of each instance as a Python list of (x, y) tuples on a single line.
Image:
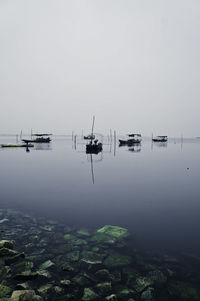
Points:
[(17, 145), (160, 139), (94, 148), (134, 139)]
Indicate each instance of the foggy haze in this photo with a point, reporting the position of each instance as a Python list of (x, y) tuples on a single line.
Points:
[(133, 64)]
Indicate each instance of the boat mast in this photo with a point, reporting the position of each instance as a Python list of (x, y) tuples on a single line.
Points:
[(93, 125)]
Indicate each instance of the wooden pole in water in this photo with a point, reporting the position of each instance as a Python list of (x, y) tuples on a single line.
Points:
[(110, 136), (115, 140), (72, 135)]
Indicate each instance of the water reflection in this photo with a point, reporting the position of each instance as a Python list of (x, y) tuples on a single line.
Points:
[(135, 149)]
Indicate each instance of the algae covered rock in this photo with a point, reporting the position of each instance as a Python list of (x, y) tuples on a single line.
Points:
[(112, 297), (103, 288), (25, 295), (147, 295), (184, 291), (4, 291), (114, 231), (89, 294), (47, 264), (6, 244), (117, 260), (142, 283)]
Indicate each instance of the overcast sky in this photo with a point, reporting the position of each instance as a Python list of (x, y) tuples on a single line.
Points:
[(134, 64)]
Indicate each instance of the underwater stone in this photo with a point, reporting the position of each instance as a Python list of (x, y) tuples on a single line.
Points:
[(103, 274), (157, 277), (117, 260), (13, 259), (27, 275), (73, 256), (9, 244), (7, 252), (65, 282), (22, 286), (3, 220), (101, 238), (141, 283), (44, 274), (25, 295), (103, 288), (4, 291), (47, 264), (125, 293), (69, 237), (183, 291), (114, 231), (92, 258), (147, 295), (89, 294), (44, 289), (112, 297), (47, 228), (81, 280), (83, 232)]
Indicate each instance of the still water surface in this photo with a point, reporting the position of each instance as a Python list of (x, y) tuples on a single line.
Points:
[(153, 191)]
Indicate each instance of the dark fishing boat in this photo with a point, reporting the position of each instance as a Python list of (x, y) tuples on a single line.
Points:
[(160, 139), (94, 147), (40, 138), (134, 139), (89, 137)]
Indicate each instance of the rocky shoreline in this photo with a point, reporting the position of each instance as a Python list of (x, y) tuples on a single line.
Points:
[(42, 259)]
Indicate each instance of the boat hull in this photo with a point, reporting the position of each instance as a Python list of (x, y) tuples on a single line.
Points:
[(16, 145), (94, 148), (129, 142)]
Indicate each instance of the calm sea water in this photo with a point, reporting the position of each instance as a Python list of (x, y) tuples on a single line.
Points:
[(154, 191)]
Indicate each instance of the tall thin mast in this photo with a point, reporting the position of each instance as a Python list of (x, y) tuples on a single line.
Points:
[(93, 125)]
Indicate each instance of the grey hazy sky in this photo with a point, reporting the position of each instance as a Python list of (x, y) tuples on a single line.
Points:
[(135, 64)]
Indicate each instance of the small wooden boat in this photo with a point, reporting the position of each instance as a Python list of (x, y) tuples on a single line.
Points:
[(17, 145), (89, 137), (94, 148), (37, 140), (135, 139), (160, 139)]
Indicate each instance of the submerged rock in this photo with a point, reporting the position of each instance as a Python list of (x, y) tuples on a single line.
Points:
[(147, 295), (7, 252), (89, 295), (114, 231), (26, 275), (9, 244), (184, 291), (112, 297), (15, 258), (103, 288), (25, 295), (4, 291), (117, 260), (47, 264), (142, 283)]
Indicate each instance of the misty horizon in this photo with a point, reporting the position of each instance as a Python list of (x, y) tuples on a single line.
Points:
[(133, 64)]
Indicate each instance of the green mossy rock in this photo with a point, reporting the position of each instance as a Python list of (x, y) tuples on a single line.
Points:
[(7, 252), (81, 280), (117, 260), (47, 264), (103, 288), (6, 244), (184, 291), (4, 291), (114, 232), (26, 275), (92, 258), (73, 256), (83, 232), (141, 283), (89, 295), (112, 297), (103, 274), (147, 295)]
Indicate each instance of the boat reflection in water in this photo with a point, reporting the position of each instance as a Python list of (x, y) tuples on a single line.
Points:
[(136, 148)]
